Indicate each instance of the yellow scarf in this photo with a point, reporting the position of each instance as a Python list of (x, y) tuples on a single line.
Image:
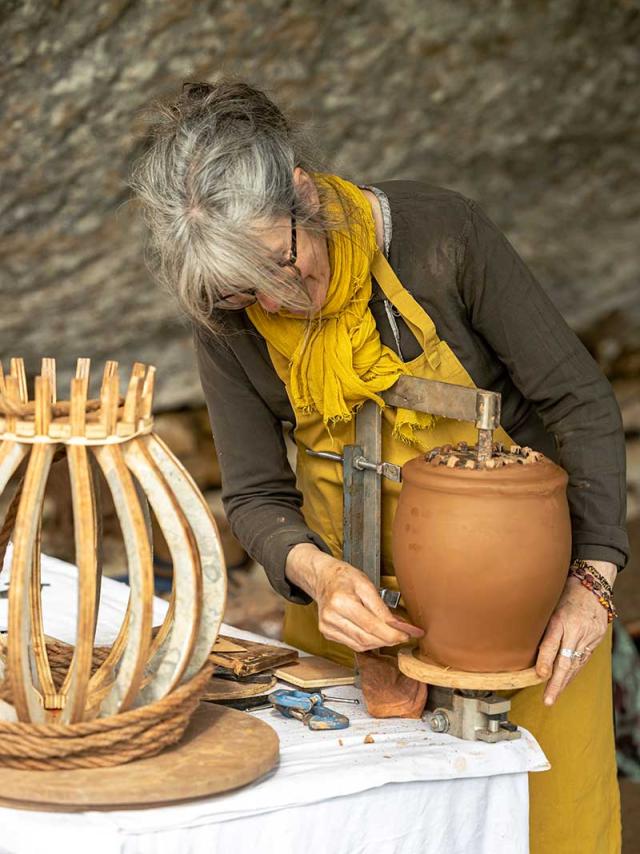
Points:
[(336, 359)]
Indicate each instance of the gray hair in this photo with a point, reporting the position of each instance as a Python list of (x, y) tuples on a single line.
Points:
[(219, 159)]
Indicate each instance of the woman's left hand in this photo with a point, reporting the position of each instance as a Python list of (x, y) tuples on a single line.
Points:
[(578, 623)]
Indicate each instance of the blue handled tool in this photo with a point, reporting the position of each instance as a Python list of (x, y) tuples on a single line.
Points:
[(308, 708)]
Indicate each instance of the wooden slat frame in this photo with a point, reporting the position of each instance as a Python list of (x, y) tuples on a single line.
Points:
[(139, 668)]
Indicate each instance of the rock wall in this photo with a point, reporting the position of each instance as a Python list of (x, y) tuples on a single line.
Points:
[(531, 108)]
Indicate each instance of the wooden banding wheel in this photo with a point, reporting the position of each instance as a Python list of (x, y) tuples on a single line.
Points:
[(222, 749), (109, 440), (421, 670)]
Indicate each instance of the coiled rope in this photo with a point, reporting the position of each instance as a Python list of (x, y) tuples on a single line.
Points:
[(103, 742)]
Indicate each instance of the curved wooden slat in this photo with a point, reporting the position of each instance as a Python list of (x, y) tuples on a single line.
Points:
[(48, 370), (110, 398), (46, 687), (103, 678), (97, 492), (42, 405), (51, 699), (162, 634), (76, 684), (137, 635), (18, 371), (26, 699), (207, 537), (11, 455), (168, 666)]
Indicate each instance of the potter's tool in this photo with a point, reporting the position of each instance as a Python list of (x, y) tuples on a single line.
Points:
[(308, 708), (463, 711)]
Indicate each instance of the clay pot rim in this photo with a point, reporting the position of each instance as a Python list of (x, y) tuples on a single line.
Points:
[(538, 478)]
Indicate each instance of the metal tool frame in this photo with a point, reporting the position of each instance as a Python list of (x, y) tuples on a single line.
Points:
[(363, 467), (477, 715)]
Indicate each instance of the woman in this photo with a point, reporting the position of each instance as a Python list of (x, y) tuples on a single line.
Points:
[(308, 295)]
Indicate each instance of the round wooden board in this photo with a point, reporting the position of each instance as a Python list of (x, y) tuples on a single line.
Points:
[(222, 749), (446, 677)]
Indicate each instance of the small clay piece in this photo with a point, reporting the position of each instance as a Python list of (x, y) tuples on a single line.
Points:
[(481, 554), (388, 693)]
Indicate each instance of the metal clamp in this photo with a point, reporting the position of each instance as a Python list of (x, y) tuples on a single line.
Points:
[(361, 463), (473, 715)]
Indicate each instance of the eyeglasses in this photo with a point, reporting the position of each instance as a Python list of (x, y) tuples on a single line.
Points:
[(242, 299)]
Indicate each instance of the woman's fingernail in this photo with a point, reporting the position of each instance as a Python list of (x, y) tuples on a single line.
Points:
[(548, 701), (407, 628)]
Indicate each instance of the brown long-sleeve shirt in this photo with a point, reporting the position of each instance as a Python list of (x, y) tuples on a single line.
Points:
[(498, 321)]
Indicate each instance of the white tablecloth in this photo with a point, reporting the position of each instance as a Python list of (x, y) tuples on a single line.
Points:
[(410, 790)]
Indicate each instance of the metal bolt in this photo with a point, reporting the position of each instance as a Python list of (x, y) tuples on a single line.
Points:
[(339, 699), (439, 722)]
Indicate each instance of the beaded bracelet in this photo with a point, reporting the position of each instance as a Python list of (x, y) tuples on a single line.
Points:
[(590, 578), (582, 564)]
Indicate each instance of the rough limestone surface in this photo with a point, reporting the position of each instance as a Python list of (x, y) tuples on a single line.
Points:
[(530, 108)]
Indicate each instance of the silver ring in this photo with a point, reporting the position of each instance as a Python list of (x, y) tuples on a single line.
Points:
[(566, 652)]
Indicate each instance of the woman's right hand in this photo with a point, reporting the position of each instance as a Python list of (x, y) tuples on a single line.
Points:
[(350, 610)]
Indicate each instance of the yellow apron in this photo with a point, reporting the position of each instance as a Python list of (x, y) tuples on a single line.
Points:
[(574, 808)]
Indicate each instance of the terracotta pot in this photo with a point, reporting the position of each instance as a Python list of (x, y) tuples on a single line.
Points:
[(481, 557)]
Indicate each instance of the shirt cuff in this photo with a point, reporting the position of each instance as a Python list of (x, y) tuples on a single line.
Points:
[(274, 557), (585, 551)]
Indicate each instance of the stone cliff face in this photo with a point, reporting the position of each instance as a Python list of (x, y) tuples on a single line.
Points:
[(532, 109)]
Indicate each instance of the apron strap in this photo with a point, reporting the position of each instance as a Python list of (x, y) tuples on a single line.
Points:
[(411, 311)]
